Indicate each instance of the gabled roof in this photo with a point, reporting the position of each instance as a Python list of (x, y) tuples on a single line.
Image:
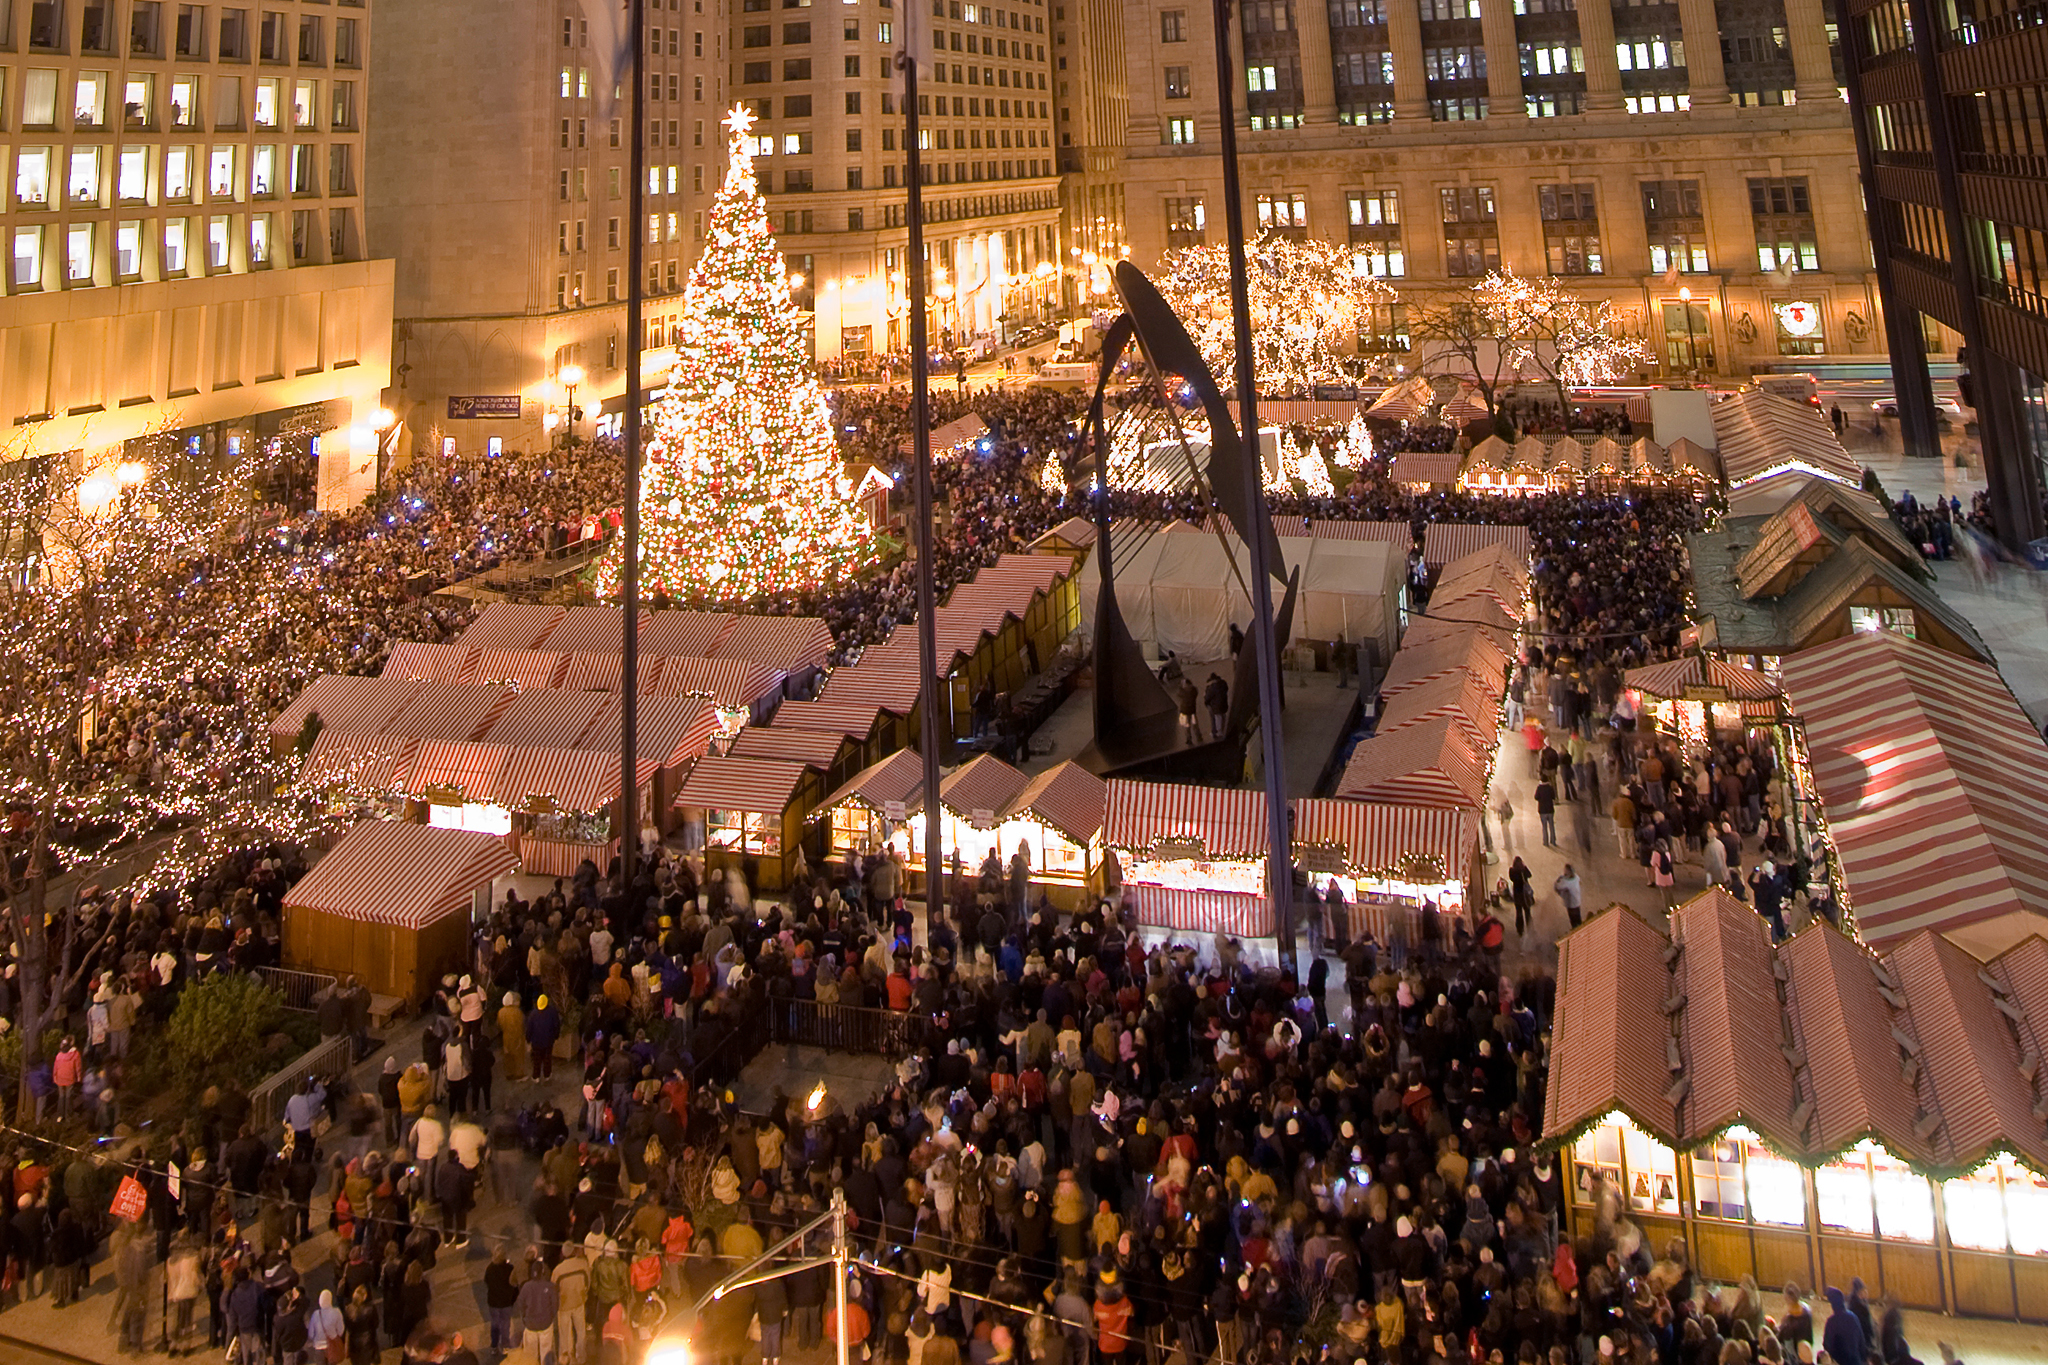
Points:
[(510, 625), (1853, 569), (1474, 705), (1228, 824), (409, 876), (985, 782), (819, 749), (1472, 652), (1430, 763), (899, 777), (1067, 797), (1757, 432), (1815, 1045)]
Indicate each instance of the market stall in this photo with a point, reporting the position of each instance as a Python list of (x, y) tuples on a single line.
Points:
[(392, 905), (751, 812), (1811, 1111), (1696, 697), (1430, 763), (871, 809), (1192, 859), (565, 806), (1395, 865)]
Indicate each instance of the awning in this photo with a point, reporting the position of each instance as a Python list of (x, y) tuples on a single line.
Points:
[(1199, 912), (818, 749), (1403, 843), (346, 705), (439, 710), (1705, 679), (854, 719), (407, 876), (1426, 466), (690, 633), (592, 630), (1934, 781), (757, 786), (1191, 822)]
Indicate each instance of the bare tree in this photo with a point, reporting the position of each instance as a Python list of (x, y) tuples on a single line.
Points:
[(1506, 328), (1461, 335)]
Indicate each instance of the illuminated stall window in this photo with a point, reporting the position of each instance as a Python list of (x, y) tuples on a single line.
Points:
[(1717, 1181), (1904, 1199), (1776, 1187), (1997, 1207), (1597, 1153), (1842, 1191), (1652, 1170), (744, 831)]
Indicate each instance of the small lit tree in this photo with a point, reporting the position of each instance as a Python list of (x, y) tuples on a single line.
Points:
[(1310, 304), (1506, 326)]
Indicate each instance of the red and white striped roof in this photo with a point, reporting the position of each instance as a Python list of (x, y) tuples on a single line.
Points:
[(407, 876), (1471, 652), (582, 780), (855, 719), (983, 783), (591, 630), (1067, 798), (732, 684), (1474, 705), (372, 762), (1230, 913), (691, 633), (892, 687), (672, 730), (524, 668), (346, 705), (1229, 825), (1757, 433), (471, 769), (510, 625), (1671, 678), (550, 719), (416, 659), (899, 777), (1426, 466), (757, 785), (1444, 541), (790, 643), (1409, 843), (1934, 781), (818, 749), (439, 710), (603, 671), (1430, 763)]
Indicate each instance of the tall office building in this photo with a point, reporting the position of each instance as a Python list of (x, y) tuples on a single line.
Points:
[(499, 182), (1691, 161), (186, 261), (1092, 89), (821, 80), (1952, 124)]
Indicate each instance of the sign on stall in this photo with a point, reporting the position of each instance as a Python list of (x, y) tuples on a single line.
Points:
[(894, 810)]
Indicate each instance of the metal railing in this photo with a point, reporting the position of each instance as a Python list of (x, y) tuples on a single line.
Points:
[(849, 1028), (299, 990), (331, 1058)]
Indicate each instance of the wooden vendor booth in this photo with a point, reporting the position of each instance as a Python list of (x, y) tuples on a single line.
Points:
[(1394, 865), (392, 904), (1192, 859), (987, 806), (1809, 1112), (752, 813)]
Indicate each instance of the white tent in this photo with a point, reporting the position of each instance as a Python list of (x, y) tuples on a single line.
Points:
[(1179, 594)]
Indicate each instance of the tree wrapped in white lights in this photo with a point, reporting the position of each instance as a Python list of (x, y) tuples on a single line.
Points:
[(1357, 447), (1309, 306), (1506, 325)]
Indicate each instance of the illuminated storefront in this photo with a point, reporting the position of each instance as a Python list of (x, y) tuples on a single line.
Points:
[(1810, 1112)]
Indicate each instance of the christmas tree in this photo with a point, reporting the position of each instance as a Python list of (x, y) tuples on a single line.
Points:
[(743, 493)]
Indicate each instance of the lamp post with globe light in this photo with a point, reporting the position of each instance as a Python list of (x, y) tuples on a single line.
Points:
[(570, 377)]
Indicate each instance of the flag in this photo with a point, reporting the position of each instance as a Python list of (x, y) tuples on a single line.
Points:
[(918, 45), (611, 46)]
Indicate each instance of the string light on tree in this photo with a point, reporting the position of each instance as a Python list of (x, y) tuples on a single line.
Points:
[(744, 493)]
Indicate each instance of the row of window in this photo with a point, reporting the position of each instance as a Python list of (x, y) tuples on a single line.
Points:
[(2001, 1206), (140, 109), (174, 175), (83, 255), (1781, 213), (157, 30)]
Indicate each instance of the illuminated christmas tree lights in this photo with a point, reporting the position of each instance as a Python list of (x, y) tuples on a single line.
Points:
[(743, 493)]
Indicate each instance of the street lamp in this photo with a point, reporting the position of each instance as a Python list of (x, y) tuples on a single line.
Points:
[(1692, 359), (569, 377)]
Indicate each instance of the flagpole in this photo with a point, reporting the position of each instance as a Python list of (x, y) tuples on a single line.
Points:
[(629, 574), (921, 458)]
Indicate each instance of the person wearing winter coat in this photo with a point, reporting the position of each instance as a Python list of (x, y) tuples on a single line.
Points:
[(1843, 1337)]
